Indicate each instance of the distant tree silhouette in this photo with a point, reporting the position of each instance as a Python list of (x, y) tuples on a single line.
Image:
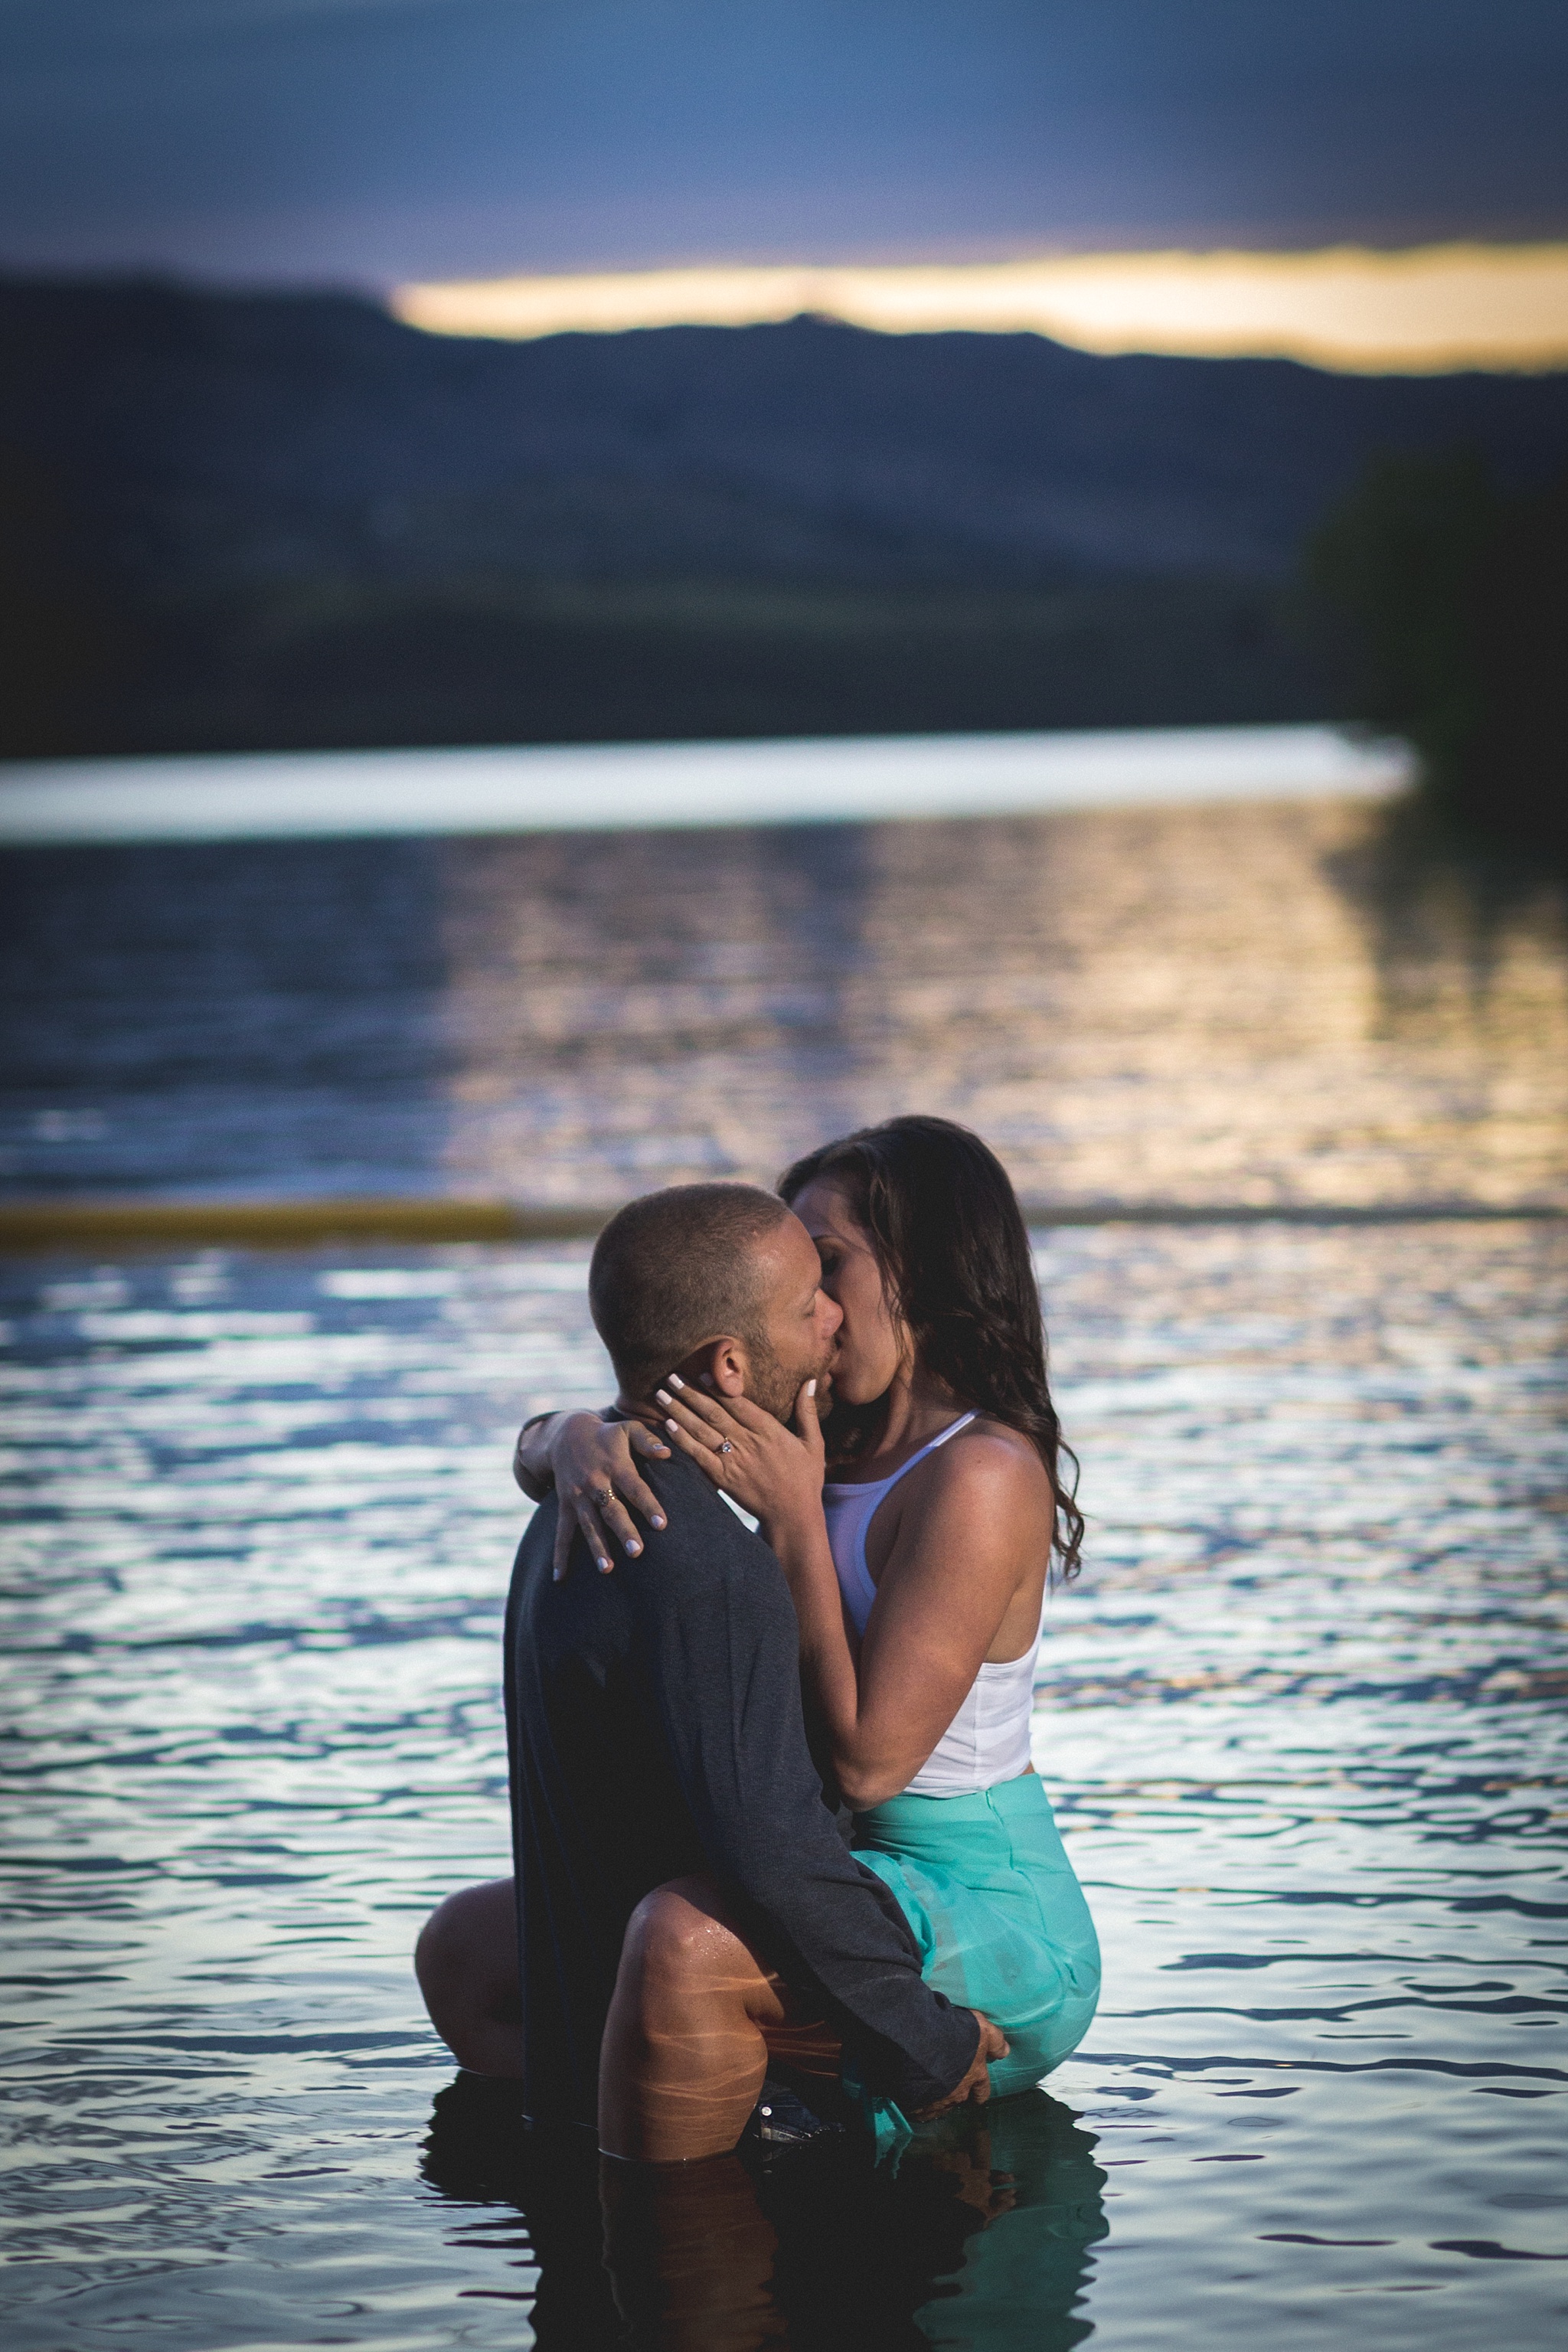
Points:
[(1457, 599), (1516, 776)]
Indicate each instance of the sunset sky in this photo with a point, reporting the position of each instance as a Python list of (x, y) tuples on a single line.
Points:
[(1423, 311), (380, 142)]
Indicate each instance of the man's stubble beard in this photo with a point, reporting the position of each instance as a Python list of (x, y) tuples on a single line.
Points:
[(774, 1388)]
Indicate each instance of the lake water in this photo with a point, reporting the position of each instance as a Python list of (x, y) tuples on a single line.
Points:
[(1294, 1004), (1303, 1717)]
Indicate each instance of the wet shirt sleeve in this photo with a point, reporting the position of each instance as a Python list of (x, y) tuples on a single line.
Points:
[(721, 1654)]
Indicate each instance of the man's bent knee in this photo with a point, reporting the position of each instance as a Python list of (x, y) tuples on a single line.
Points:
[(465, 1962), (472, 1932), (667, 1934), (678, 1943), (683, 2055)]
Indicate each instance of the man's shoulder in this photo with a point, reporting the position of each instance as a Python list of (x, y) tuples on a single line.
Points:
[(704, 1538), (538, 1535), (705, 1563), (704, 1547)]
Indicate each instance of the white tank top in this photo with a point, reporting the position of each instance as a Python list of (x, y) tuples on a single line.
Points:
[(988, 1739)]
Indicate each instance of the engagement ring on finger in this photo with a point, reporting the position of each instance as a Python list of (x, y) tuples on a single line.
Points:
[(725, 1447), (606, 1498)]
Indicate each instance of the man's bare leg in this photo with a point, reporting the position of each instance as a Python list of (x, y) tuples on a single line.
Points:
[(465, 1962), (687, 2040)]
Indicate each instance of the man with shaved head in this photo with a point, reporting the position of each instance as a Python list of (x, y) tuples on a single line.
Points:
[(684, 1903)]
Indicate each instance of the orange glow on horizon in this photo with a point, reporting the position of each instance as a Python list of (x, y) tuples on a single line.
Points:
[(1424, 311)]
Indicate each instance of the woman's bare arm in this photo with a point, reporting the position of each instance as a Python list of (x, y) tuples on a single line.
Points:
[(530, 1463), (965, 1540)]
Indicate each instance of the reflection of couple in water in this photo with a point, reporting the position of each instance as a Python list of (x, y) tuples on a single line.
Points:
[(699, 1952)]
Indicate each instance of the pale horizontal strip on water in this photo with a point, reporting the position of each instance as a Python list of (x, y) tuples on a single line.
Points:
[(557, 788), (28, 1225)]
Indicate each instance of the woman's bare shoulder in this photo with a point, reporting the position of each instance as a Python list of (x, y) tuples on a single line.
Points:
[(986, 1459)]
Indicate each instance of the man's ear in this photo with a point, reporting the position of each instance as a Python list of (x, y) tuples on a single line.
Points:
[(726, 1364)]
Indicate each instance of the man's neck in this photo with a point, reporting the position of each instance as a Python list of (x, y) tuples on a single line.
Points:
[(638, 1408), (652, 1416)]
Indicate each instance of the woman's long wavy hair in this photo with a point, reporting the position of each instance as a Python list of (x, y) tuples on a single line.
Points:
[(948, 1235)]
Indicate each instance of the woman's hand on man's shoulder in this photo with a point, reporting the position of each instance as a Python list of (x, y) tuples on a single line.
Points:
[(592, 1464)]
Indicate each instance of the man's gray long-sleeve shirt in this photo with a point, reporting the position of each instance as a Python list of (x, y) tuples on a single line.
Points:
[(655, 1729)]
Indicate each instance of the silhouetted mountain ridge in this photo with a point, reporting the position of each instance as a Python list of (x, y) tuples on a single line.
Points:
[(248, 436), (262, 482)]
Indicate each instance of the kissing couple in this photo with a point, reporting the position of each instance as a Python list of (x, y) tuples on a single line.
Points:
[(783, 1864)]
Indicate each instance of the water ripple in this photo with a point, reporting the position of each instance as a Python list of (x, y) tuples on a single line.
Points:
[(1301, 1718)]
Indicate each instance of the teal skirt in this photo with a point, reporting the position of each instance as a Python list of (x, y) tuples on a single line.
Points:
[(999, 1917)]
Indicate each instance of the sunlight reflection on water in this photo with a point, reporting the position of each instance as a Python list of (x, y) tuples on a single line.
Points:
[(1270, 1004)]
